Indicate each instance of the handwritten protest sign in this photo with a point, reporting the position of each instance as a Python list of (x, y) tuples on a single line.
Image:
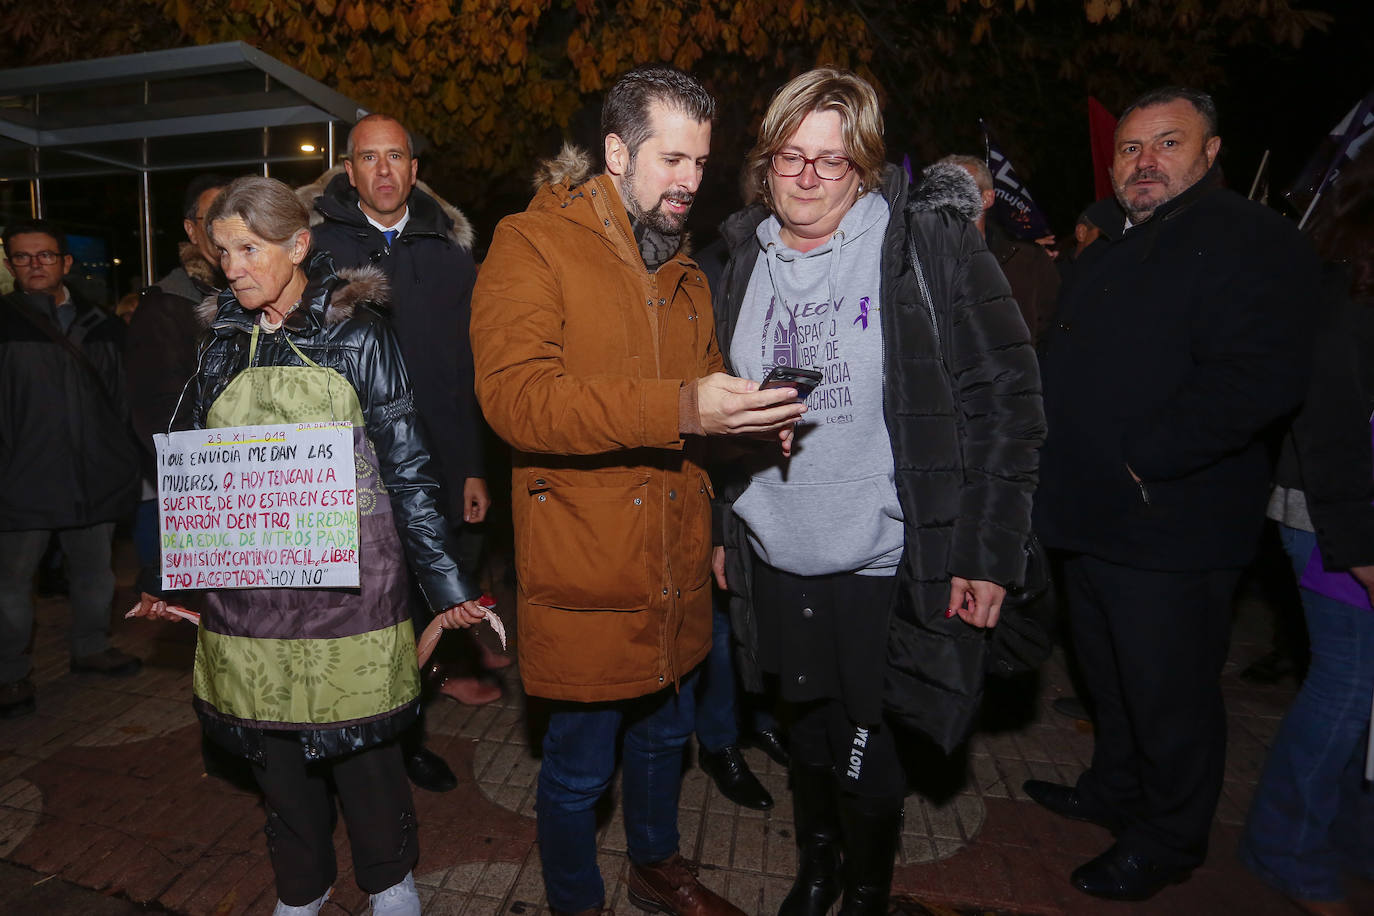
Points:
[(258, 507)]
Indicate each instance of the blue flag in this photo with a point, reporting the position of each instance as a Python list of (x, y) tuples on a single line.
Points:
[(1014, 206)]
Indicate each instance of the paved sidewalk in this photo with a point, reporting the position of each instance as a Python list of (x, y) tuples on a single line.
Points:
[(104, 788)]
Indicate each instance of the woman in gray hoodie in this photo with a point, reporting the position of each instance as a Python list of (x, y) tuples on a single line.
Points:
[(866, 567)]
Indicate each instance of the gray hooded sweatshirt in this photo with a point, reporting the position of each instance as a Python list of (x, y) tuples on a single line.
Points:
[(832, 507)]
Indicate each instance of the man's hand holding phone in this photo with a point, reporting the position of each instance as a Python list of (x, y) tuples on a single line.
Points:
[(803, 381), (730, 406)]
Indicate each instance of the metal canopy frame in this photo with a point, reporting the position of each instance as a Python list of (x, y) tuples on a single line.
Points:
[(208, 107)]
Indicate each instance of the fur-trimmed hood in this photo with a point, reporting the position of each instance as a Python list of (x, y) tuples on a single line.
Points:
[(944, 184), (334, 183), (193, 278), (332, 297), (203, 273), (561, 180), (572, 166)]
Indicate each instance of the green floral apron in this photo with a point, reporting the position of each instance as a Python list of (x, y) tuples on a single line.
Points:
[(309, 659)]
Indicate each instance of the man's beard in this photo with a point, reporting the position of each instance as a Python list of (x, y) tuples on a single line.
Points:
[(1143, 211), (658, 219)]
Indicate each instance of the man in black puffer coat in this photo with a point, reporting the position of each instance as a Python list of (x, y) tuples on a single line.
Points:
[(1182, 338)]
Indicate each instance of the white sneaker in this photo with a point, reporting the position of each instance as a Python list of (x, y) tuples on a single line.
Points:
[(398, 900), (310, 909)]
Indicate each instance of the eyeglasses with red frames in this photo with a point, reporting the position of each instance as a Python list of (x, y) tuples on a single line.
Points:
[(828, 168)]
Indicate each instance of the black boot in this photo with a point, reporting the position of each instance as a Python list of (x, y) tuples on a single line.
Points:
[(816, 819), (872, 827)]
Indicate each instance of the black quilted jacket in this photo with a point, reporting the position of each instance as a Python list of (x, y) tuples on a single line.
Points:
[(963, 411)]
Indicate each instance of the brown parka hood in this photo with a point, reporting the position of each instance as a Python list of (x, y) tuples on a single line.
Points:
[(571, 167), (559, 181)]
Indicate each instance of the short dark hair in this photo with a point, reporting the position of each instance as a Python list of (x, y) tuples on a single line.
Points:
[(32, 226), (1085, 220), (1165, 94), (374, 118), (625, 112), (198, 186)]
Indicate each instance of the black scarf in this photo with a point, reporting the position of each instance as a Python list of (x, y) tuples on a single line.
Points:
[(654, 247)]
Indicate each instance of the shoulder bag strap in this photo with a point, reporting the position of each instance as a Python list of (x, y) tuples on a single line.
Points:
[(47, 326)]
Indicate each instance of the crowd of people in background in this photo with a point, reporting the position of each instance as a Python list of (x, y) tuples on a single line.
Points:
[(864, 359)]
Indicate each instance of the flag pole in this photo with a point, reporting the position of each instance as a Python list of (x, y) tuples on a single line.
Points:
[(1259, 173), (1333, 170), (1310, 207)]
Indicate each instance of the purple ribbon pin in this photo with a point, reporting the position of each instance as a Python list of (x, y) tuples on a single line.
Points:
[(863, 312)]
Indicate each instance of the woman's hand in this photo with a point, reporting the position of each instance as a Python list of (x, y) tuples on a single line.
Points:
[(476, 500), (976, 601), (156, 608), (1365, 576), (718, 566), (462, 615)]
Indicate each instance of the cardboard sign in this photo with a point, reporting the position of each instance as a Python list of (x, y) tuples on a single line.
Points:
[(258, 507)]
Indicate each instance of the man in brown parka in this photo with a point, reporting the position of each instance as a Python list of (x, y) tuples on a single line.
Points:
[(596, 360)]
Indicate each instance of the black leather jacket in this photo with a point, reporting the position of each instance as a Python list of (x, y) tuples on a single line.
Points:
[(337, 327)]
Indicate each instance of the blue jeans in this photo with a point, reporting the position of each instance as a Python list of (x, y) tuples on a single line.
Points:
[(146, 536), (1313, 814), (717, 720), (579, 761)]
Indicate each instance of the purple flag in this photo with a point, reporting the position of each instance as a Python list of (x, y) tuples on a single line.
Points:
[(1337, 149)]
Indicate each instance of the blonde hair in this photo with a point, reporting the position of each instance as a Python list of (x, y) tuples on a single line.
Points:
[(823, 89), (270, 209)]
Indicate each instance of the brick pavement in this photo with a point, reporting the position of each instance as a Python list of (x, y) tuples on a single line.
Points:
[(104, 787)]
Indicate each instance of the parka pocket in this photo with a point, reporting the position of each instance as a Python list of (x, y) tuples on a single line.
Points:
[(694, 534), (585, 548)]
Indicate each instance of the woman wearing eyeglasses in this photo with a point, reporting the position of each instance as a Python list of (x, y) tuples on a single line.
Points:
[(866, 568)]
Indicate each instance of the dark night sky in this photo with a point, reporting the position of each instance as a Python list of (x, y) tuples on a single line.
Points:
[(1284, 100)]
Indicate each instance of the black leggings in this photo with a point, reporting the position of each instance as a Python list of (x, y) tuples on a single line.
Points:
[(378, 812), (864, 756)]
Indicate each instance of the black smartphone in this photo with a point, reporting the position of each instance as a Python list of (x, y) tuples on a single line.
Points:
[(804, 380)]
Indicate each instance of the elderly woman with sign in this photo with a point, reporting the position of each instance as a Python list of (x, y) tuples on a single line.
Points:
[(313, 685)]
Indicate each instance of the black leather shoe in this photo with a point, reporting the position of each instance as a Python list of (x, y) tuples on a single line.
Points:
[(111, 663), (773, 743), (428, 770), (1121, 875), (1066, 802), (733, 777)]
